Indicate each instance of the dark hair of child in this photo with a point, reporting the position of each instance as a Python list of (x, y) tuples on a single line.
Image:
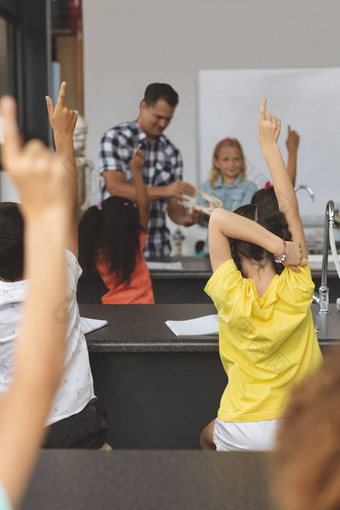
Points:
[(272, 220), (266, 197), (114, 230), (11, 242)]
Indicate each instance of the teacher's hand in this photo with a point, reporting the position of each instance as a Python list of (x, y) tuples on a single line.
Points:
[(179, 188)]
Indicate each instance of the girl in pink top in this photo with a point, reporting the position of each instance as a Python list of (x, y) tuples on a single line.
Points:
[(111, 240)]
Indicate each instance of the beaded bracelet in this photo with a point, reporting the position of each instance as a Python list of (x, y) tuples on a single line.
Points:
[(282, 258)]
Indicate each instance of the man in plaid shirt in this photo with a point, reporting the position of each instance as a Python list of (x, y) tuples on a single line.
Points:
[(162, 171)]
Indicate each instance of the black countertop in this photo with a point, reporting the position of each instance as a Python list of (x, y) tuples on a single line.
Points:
[(200, 267), (148, 480), (192, 267), (142, 328)]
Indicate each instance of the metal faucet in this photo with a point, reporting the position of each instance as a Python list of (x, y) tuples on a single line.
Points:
[(308, 189), (323, 298)]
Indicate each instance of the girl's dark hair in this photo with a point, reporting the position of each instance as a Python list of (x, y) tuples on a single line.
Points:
[(269, 218), (113, 228), (266, 197), (11, 242)]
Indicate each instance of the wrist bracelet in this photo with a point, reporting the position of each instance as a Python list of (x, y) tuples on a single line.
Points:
[(282, 258)]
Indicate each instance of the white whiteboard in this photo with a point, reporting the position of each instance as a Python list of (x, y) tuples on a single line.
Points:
[(306, 98)]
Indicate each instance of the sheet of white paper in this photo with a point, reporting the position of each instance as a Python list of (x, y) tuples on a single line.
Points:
[(166, 266), (207, 325), (88, 325)]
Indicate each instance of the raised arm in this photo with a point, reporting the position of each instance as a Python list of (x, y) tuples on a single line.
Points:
[(225, 224), (269, 131), (142, 197), (40, 348), (292, 144), (63, 121)]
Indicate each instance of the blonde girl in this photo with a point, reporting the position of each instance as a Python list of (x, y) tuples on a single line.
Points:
[(227, 179)]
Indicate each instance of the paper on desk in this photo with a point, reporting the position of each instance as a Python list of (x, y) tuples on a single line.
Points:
[(167, 266), (88, 325), (207, 325)]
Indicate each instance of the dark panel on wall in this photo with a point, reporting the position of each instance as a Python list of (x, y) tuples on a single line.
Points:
[(9, 7), (33, 58)]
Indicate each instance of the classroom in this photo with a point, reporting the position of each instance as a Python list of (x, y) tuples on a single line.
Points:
[(189, 327)]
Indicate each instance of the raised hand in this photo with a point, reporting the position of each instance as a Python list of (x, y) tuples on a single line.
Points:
[(269, 126), (62, 118), (137, 160), (179, 188), (293, 139), (37, 173)]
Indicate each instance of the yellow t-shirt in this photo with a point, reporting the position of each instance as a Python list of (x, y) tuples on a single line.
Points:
[(267, 344)]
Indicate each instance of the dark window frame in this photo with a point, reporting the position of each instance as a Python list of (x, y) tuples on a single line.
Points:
[(30, 62)]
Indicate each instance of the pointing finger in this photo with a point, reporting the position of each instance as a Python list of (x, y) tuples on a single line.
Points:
[(139, 146), (50, 107), (288, 129), (62, 92), (263, 109), (11, 132)]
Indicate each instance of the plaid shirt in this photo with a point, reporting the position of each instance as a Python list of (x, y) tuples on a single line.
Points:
[(163, 165)]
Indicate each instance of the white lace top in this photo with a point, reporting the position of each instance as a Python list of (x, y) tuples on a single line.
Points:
[(76, 386)]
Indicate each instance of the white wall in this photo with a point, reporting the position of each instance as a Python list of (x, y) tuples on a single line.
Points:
[(130, 43), (229, 107)]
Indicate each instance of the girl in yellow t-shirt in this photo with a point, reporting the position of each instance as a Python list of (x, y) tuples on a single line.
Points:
[(262, 289)]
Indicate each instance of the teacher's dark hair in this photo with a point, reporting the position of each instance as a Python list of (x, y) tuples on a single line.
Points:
[(156, 91)]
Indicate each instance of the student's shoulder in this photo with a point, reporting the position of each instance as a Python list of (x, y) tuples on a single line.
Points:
[(72, 265), (206, 187), (298, 282), (249, 185), (226, 273)]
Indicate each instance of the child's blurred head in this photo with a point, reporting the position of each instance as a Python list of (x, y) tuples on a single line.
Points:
[(228, 161), (304, 475), (120, 214), (11, 242), (114, 228), (269, 218)]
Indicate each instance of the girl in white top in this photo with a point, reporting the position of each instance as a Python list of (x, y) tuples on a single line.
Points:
[(40, 345), (75, 392)]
